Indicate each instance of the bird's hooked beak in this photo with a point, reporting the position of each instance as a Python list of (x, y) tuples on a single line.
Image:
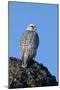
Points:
[(31, 27)]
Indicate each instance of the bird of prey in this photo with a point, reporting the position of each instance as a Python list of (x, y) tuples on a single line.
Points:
[(28, 44)]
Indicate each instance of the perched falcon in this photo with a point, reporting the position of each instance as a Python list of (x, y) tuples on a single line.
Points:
[(28, 44)]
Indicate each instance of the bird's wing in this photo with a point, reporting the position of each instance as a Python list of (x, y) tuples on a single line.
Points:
[(35, 40)]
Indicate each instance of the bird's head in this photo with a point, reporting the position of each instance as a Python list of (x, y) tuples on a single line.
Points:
[(31, 27)]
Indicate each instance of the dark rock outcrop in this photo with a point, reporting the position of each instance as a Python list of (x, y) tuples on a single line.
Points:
[(34, 75)]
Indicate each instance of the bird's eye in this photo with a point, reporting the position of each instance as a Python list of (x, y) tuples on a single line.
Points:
[(32, 26)]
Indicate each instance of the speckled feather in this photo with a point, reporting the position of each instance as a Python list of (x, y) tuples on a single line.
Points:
[(29, 43)]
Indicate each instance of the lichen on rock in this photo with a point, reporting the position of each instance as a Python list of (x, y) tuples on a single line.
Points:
[(34, 75)]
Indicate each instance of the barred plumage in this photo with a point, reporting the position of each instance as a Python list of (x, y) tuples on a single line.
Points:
[(28, 44)]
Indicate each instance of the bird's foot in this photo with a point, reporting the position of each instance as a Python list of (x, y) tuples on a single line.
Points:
[(24, 66)]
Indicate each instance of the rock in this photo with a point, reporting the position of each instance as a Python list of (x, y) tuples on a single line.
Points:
[(34, 75)]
